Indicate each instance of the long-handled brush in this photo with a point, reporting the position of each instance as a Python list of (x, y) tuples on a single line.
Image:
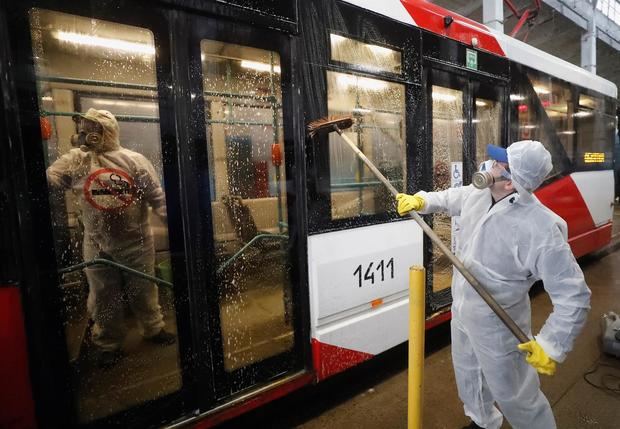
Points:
[(339, 123)]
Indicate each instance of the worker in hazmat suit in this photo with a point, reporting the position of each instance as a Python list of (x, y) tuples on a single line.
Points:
[(508, 240), (114, 187)]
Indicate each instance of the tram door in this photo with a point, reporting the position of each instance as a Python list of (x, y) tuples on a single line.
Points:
[(245, 134), (465, 114), (207, 117)]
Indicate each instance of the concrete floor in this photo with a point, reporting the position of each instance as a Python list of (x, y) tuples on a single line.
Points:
[(374, 395)]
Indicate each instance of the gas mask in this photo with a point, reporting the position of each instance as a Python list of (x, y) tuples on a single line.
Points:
[(86, 139), (484, 177)]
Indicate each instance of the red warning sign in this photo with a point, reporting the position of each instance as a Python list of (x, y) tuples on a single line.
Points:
[(109, 189)]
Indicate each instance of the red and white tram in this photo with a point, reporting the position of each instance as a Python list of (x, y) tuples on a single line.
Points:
[(282, 260)]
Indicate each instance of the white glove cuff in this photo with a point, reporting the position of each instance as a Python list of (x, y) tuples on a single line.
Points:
[(553, 352)]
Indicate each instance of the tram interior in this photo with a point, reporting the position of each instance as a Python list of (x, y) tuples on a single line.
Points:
[(82, 63)]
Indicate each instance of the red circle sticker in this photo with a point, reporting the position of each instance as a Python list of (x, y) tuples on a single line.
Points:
[(109, 189)]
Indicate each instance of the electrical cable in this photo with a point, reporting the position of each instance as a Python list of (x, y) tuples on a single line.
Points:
[(609, 382)]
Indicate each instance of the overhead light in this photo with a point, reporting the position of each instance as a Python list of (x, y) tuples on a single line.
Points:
[(516, 97), (103, 42), (258, 66), (582, 114), (541, 90), (337, 38), (361, 82), (480, 103), (569, 132), (47, 98), (380, 50), (441, 96), (121, 103), (529, 127)]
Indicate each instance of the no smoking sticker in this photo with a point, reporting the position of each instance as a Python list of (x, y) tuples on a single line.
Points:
[(109, 189)]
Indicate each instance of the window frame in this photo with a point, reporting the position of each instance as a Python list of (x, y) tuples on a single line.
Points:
[(355, 23)]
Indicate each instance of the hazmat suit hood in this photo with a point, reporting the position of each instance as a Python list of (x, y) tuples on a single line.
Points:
[(529, 163), (110, 127)]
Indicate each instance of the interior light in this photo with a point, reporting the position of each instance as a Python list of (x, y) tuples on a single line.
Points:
[(582, 114), (529, 127), (361, 82), (103, 42), (569, 132), (541, 90), (380, 50), (480, 103), (47, 98), (440, 96), (121, 103), (337, 38), (516, 97), (258, 66)]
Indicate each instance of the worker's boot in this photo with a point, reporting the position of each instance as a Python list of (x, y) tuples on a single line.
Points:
[(162, 338)]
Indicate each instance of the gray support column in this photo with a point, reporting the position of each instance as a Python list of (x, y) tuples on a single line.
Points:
[(493, 14), (588, 43)]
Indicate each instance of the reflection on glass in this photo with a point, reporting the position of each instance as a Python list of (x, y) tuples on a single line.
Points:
[(372, 58), (243, 102), (488, 125), (556, 98), (378, 110), (106, 198), (448, 120)]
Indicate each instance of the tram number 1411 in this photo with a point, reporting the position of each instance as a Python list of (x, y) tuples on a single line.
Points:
[(382, 269)]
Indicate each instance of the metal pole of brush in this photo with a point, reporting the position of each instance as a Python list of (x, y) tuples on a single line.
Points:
[(497, 309)]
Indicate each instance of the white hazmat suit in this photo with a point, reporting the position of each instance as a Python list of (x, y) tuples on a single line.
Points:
[(507, 247), (114, 187)]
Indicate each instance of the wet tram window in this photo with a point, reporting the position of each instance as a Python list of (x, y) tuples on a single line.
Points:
[(368, 57), (488, 125), (108, 208), (529, 99), (243, 102), (556, 98), (448, 120), (378, 110)]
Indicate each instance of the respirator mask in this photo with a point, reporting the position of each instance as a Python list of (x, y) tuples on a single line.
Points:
[(89, 136), (484, 177)]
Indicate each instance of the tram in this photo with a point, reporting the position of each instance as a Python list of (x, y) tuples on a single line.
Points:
[(281, 260)]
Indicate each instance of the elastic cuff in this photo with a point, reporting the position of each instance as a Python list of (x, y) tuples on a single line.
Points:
[(552, 352), (425, 207)]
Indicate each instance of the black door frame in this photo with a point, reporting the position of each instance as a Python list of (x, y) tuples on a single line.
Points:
[(227, 384), (471, 84)]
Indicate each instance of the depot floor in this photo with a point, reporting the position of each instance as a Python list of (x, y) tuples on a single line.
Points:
[(374, 395)]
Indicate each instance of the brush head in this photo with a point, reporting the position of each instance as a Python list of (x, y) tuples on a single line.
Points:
[(329, 124)]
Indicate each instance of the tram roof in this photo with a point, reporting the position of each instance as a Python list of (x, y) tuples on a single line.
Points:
[(430, 17)]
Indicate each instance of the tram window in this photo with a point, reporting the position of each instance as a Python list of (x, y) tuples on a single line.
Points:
[(378, 109), (447, 126), (595, 134), (102, 201), (366, 56), (243, 112), (531, 121), (488, 124), (556, 98)]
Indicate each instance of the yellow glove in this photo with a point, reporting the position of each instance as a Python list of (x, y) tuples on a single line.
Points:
[(406, 203), (537, 357)]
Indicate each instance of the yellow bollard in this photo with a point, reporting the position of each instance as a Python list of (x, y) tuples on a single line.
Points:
[(415, 386)]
